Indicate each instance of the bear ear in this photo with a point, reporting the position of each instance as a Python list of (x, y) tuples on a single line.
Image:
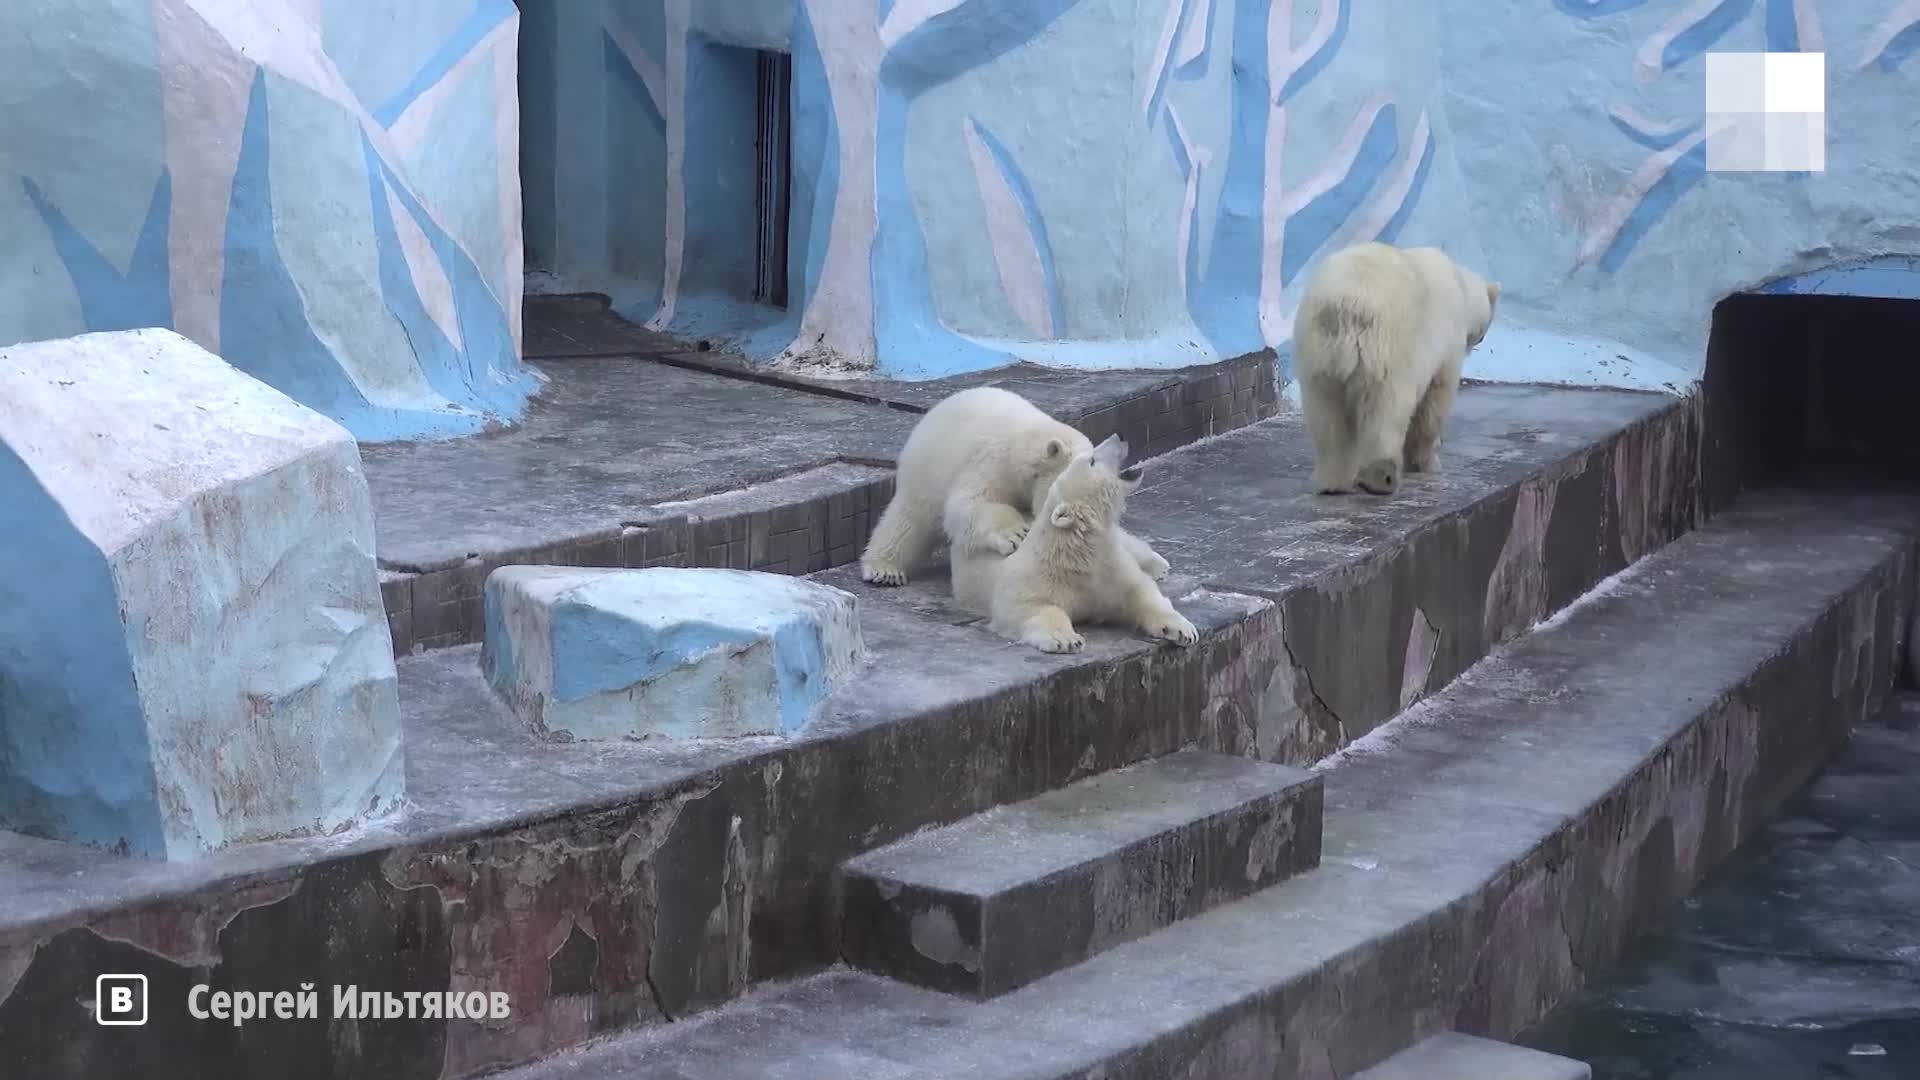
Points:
[(1062, 516), (1493, 291), (1055, 448)]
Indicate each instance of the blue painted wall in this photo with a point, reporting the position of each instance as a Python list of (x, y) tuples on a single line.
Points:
[(1118, 182), (324, 193)]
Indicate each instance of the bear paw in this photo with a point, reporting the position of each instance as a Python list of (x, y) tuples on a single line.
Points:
[(1155, 566), (1174, 628), (1004, 541), (1380, 477), (1055, 641), (874, 574), (1325, 483)]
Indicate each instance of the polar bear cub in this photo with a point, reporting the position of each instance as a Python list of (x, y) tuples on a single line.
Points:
[(974, 468), (1077, 565), (1379, 341)]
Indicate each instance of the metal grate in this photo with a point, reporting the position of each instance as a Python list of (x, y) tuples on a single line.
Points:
[(773, 153)]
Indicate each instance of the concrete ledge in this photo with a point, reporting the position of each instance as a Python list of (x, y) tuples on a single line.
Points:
[(612, 884), (994, 902), (1481, 853)]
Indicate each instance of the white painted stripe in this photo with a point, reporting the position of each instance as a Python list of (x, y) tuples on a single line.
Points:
[(673, 108)]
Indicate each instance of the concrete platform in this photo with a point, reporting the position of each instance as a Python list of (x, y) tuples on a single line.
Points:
[(638, 455), (989, 904), (608, 885), (1481, 852)]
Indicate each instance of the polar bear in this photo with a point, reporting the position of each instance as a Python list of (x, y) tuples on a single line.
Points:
[(1379, 340), (973, 468), (1075, 565)]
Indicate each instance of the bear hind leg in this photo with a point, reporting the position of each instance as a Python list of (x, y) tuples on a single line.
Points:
[(1383, 412), (1330, 423), (1430, 418)]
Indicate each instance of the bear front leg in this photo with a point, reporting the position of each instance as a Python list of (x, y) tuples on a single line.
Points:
[(1151, 611), (1150, 561), (977, 524), (1331, 425), (1050, 630), (1430, 417), (905, 535)]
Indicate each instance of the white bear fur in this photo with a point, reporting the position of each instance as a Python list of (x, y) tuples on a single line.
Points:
[(973, 469), (1076, 565), (1379, 340)]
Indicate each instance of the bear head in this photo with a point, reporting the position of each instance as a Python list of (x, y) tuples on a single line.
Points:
[(1482, 297), (1091, 491), (1060, 445)]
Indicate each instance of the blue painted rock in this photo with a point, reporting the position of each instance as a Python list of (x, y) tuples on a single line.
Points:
[(193, 649), (602, 654)]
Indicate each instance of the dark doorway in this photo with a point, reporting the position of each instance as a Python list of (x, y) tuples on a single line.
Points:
[(774, 177), (1823, 385)]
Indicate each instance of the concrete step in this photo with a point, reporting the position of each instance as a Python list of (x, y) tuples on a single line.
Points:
[(1480, 854), (1453, 1056), (606, 886), (1005, 897)]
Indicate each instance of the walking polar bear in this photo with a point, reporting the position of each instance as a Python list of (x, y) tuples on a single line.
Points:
[(1379, 341), (974, 468), (1076, 565)]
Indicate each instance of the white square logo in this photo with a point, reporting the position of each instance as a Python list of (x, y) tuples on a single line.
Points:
[(1767, 112), (120, 1000)]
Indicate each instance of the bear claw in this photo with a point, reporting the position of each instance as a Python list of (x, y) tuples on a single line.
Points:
[(1007, 540), (1179, 631), (882, 575), (1058, 643), (1156, 566)]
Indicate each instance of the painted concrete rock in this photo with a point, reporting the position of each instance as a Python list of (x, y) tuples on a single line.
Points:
[(324, 192), (666, 652), (193, 650)]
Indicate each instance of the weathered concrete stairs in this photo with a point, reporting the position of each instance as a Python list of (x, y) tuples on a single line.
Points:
[(1108, 864), (1479, 852)]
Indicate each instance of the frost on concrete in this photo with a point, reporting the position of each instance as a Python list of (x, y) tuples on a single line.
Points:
[(666, 652), (193, 649)]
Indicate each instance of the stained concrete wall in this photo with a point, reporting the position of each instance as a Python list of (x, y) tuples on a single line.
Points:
[(325, 193), (1148, 182)]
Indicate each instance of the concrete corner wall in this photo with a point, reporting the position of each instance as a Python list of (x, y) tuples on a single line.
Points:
[(326, 194), (193, 648)]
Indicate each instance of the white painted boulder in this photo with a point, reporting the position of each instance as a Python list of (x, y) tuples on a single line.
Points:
[(193, 650), (665, 653)]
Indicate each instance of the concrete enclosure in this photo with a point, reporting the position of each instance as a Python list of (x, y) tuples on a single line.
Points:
[(1147, 182)]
